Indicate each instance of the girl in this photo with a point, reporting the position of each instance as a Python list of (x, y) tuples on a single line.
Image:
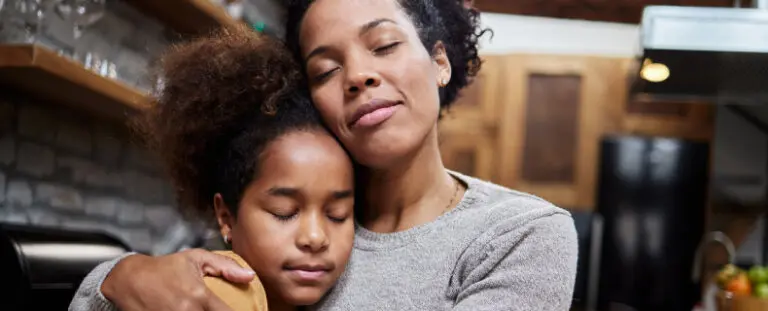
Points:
[(244, 146)]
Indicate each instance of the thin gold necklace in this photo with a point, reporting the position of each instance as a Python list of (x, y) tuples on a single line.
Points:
[(453, 198)]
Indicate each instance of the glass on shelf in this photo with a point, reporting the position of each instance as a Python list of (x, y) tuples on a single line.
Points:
[(21, 21), (81, 13), (24, 21)]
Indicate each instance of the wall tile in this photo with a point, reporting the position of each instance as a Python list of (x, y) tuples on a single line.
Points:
[(59, 197), (18, 193), (7, 149), (35, 159)]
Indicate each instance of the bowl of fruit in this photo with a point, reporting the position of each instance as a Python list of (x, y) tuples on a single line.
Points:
[(742, 290)]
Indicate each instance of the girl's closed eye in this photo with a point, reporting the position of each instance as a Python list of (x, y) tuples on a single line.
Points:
[(284, 216), (339, 215)]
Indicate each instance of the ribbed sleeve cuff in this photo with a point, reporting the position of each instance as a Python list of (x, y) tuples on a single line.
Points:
[(89, 296)]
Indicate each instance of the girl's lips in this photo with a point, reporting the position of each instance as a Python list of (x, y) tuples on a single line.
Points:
[(307, 276)]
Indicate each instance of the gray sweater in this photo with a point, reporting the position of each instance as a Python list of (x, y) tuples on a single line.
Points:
[(497, 250)]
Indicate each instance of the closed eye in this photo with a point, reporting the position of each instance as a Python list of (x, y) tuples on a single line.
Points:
[(337, 219), (387, 49), (284, 217), (324, 75)]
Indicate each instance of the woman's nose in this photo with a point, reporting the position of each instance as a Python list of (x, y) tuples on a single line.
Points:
[(359, 80), (312, 236)]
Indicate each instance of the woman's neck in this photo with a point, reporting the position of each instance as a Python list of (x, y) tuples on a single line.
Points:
[(415, 191)]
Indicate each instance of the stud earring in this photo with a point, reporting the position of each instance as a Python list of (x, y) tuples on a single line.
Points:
[(227, 239), (443, 82)]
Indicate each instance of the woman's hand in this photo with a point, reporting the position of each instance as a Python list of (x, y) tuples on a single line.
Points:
[(171, 282)]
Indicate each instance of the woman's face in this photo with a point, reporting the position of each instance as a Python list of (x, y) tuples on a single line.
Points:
[(295, 224), (371, 78)]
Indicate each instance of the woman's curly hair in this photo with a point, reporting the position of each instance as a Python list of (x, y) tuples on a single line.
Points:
[(448, 21), (224, 98)]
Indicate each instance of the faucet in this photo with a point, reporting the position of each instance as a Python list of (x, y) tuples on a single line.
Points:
[(714, 236)]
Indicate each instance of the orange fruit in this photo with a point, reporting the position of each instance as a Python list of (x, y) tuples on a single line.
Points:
[(739, 285)]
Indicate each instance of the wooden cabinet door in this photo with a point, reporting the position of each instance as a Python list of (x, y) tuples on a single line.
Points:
[(468, 130), (534, 123), (555, 112)]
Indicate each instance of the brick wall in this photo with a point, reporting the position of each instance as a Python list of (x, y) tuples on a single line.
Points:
[(63, 168)]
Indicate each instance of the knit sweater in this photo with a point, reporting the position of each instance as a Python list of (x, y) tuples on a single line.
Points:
[(499, 249)]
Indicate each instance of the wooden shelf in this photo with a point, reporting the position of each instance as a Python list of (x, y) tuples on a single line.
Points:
[(186, 16), (46, 75)]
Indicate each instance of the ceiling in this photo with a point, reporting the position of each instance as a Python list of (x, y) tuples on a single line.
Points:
[(621, 11)]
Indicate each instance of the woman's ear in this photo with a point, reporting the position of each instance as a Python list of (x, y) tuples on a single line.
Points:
[(440, 57), (224, 217)]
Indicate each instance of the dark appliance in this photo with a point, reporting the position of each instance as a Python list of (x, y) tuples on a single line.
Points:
[(589, 228), (652, 195), (42, 268)]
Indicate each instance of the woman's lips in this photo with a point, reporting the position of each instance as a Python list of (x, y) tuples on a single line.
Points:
[(374, 113)]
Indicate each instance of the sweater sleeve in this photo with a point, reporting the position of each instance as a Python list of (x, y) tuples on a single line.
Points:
[(522, 267), (88, 296)]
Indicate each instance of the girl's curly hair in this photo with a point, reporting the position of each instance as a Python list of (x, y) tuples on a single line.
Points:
[(224, 98)]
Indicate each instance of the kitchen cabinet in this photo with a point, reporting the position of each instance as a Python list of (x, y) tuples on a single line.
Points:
[(534, 123), (469, 129)]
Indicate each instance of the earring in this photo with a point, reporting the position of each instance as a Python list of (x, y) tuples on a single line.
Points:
[(443, 82), (227, 239)]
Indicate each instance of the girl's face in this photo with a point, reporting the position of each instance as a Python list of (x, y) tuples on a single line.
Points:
[(371, 78), (295, 224)]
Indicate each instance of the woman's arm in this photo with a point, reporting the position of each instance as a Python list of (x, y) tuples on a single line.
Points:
[(529, 267), (171, 282), (89, 297)]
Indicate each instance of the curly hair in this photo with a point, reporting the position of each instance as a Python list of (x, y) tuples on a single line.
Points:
[(224, 98), (448, 21)]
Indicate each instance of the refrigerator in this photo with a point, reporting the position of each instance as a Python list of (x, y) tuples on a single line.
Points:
[(652, 194)]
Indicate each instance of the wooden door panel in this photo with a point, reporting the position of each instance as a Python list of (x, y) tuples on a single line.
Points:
[(484, 96), (469, 147), (551, 128), (552, 123), (468, 130)]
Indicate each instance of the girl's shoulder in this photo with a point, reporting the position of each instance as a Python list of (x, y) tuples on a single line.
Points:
[(251, 297)]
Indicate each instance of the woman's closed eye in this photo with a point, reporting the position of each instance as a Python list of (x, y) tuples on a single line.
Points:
[(323, 76), (382, 50), (386, 49)]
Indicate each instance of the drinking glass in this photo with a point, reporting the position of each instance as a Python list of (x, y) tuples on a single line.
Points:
[(32, 13), (82, 13)]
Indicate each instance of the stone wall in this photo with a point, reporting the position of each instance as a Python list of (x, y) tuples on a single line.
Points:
[(63, 168)]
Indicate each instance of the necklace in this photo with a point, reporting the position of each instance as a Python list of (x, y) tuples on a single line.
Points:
[(455, 193)]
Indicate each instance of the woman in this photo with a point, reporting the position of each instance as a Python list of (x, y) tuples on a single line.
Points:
[(380, 72)]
